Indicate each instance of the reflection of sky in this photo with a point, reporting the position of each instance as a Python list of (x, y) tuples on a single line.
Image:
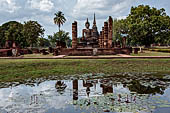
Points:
[(119, 88), (166, 95), (45, 98), (21, 95)]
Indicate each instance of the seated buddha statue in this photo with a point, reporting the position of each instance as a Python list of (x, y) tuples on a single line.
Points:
[(87, 33)]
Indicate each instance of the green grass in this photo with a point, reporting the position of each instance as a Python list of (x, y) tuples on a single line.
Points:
[(151, 53), (167, 50), (16, 70), (37, 55)]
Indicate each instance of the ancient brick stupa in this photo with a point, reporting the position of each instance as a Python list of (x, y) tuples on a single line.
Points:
[(93, 42)]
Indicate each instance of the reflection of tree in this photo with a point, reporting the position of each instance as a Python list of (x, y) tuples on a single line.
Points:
[(137, 87), (60, 86), (109, 101)]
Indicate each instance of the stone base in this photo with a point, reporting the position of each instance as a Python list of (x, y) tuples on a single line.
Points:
[(5, 52), (90, 51)]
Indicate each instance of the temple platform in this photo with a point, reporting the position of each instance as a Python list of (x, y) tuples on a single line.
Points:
[(93, 51), (5, 52)]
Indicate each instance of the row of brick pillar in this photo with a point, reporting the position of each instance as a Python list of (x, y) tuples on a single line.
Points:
[(106, 35)]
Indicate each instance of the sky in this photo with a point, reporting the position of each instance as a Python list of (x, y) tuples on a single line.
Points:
[(74, 10)]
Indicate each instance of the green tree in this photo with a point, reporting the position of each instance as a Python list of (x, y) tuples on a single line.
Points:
[(59, 19), (2, 38), (119, 29), (61, 37), (12, 31), (148, 25), (43, 42), (32, 30)]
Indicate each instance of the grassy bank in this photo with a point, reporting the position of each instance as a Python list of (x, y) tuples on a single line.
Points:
[(151, 53), (15, 70)]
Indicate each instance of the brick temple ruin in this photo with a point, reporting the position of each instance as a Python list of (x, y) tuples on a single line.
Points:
[(7, 50), (93, 42)]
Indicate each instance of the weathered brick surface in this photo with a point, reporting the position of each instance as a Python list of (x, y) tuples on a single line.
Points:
[(89, 51), (110, 32), (74, 35), (5, 52), (105, 34)]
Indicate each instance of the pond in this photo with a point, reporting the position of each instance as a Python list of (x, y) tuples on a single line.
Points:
[(97, 93)]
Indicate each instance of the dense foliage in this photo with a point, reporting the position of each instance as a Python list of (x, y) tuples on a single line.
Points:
[(23, 34), (31, 31), (62, 37), (120, 29), (12, 31), (144, 26), (43, 42)]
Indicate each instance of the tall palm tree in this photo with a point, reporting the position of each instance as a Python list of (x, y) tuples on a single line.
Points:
[(59, 19)]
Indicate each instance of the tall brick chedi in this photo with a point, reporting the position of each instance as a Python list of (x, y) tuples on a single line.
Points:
[(105, 34), (100, 39), (74, 35), (110, 32)]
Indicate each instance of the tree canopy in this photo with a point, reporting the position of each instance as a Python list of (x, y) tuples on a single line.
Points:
[(148, 25), (32, 30), (12, 31), (23, 34), (43, 42), (61, 37), (120, 29)]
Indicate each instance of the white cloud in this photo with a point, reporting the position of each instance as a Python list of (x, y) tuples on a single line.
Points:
[(43, 5), (43, 11), (8, 6), (103, 8), (121, 17)]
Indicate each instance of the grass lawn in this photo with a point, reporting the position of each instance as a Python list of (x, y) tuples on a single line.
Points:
[(151, 53), (93, 56), (37, 55), (16, 70)]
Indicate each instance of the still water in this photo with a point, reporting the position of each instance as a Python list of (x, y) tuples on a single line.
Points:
[(92, 95)]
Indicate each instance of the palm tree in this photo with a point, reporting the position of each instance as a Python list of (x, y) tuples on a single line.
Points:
[(59, 19)]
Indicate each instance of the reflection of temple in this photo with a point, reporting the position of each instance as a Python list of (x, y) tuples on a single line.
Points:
[(75, 89), (106, 87), (87, 84)]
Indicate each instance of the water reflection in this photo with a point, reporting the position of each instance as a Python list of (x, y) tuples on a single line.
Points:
[(142, 89), (107, 86), (86, 95), (60, 86)]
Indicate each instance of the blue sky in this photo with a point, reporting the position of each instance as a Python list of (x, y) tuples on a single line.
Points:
[(79, 10)]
